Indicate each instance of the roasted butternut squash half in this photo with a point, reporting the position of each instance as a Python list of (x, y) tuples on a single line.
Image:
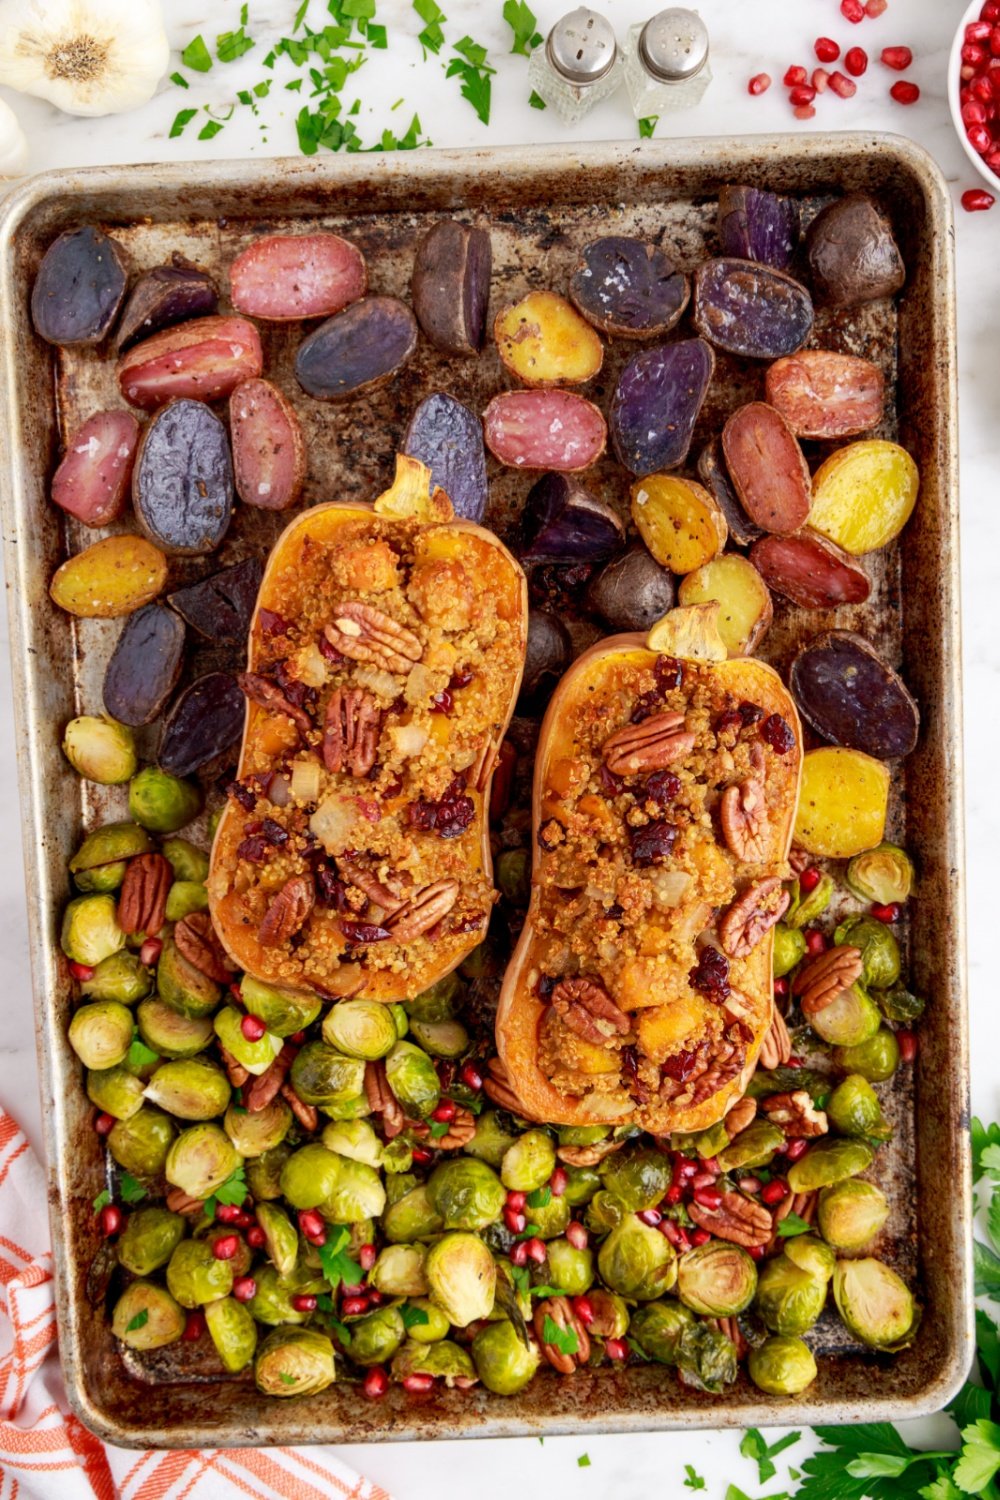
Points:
[(384, 660), (665, 788)]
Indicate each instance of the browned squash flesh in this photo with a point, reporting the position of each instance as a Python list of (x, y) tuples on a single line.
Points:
[(385, 657), (664, 798)]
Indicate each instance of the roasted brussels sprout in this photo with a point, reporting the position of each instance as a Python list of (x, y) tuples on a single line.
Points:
[(413, 1079), (254, 1134), (355, 1139), (90, 930), (898, 1004), (310, 1175), (582, 1135), (716, 1279), (281, 1236), (875, 1304), (513, 875), (183, 987), (256, 1056), (101, 1034), (283, 1011), (321, 1075), (466, 1193), (412, 1217), (789, 1299), (360, 1028), (879, 950), (782, 1366), (355, 1108), (883, 875), (491, 1140), (529, 1162), (399, 1271), (703, 1143), (147, 1317), (435, 1324), (263, 1173), (169, 1033), (570, 1269), (149, 1239), (140, 1144), (101, 879), (192, 1088), (849, 1020), (808, 908), (851, 1213), (122, 976), (604, 1212), (753, 1147), (853, 1109), (637, 1261), (876, 1060), (272, 1301), (116, 1091), (768, 1081), (200, 1160), (550, 1219), (503, 1362), (441, 1038), (810, 1254), (232, 1329), (195, 1276), (705, 1358), (789, 949), (611, 1315), (111, 844), (187, 861), (461, 1275), (828, 1162), (100, 750), (443, 1359), (637, 1175), (357, 1195), (439, 1003), (376, 1336), (161, 802), (184, 897), (294, 1362), (582, 1184), (657, 1328)]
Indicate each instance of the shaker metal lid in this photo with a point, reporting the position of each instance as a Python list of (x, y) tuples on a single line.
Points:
[(581, 46), (673, 45)]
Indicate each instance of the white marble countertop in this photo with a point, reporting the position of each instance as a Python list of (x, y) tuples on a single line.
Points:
[(749, 36)]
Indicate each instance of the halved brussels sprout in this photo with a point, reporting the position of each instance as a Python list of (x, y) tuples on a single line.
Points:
[(360, 1028), (466, 1193), (263, 1172), (357, 1108), (294, 1362), (272, 1301), (753, 1147), (851, 1214), (582, 1183), (187, 861), (503, 1363), (399, 1271), (657, 1328), (768, 1081), (376, 1336), (705, 1358), (357, 1195), (716, 1279), (582, 1135), (611, 1314), (183, 987), (200, 1160), (637, 1175), (883, 875), (161, 802), (809, 908), (122, 976), (513, 875), (100, 750), (491, 1140), (550, 1219), (439, 1003), (149, 1239), (782, 1366), (283, 1011), (876, 1305), (413, 1079), (898, 1004), (811, 1255), (195, 1276), (111, 844), (281, 1236), (570, 1269), (140, 1144), (529, 1162), (441, 1038), (789, 1299), (321, 1075), (116, 1091), (412, 1217), (184, 897), (462, 1276), (254, 1134), (90, 930), (102, 878), (849, 1020), (257, 1056), (444, 1360), (879, 950), (310, 1175), (789, 949), (147, 1317), (101, 1034), (171, 1034), (703, 1143), (876, 1060), (827, 1162), (637, 1261), (192, 1088), (435, 1325), (604, 1212), (853, 1109), (232, 1329), (401, 1019), (399, 1185), (355, 1139)]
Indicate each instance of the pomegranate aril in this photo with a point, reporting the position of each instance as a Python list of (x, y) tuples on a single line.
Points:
[(352, 1307), (907, 1046), (980, 88), (995, 41), (471, 1077), (81, 971), (973, 54), (559, 1182), (244, 1288), (418, 1383), (375, 1384), (815, 941), (820, 79), (536, 1250), (150, 951), (583, 1309), (226, 1246), (422, 1156), (354, 1291), (519, 1254), (809, 880), (111, 1220), (311, 1223), (805, 111), (226, 1213), (842, 86), (700, 1236), (444, 1112), (897, 58), (649, 1216), (256, 1238), (978, 31), (670, 1231), (979, 138), (375, 1297), (904, 92), (856, 61), (367, 1257), (517, 1201), (194, 1327), (781, 987), (756, 1252), (749, 1185), (674, 1193), (253, 1028), (826, 49), (577, 1234), (974, 200), (759, 84), (703, 1179), (774, 1191), (974, 113), (616, 1349), (852, 10), (104, 1124), (795, 1149), (794, 76), (515, 1221), (886, 914), (876, 8), (711, 1165), (967, 72), (708, 1197), (804, 93)]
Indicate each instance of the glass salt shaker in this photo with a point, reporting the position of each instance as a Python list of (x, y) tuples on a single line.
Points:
[(666, 62), (579, 65)]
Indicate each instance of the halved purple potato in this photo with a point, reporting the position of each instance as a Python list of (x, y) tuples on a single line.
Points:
[(751, 310), (144, 665), (182, 483), (632, 592), (852, 697), (79, 287), (628, 288), (547, 654), (714, 476), (451, 286), (810, 570), (757, 225), (165, 296), (563, 522), (448, 438), (656, 404), (206, 719), (356, 350), (852, 254), (221, 606)]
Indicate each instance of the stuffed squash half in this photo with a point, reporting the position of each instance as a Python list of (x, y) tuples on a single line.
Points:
[(665, 789), (384, 661)]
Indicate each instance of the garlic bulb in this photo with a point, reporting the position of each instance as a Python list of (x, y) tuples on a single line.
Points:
[(13, 143), (89, 57)]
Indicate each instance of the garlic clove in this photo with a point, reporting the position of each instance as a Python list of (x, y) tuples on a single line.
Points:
[(88, 57), (13, 143)]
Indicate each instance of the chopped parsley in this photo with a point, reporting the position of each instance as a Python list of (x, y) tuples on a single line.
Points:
[(337, 1264), (234, 1190), (139, 1321), (694, 1480), (182, 118), (197, 56), (131, 1189), (563, 1339), (521, 20), (583, 1462), (792, 1225), (647, 126)]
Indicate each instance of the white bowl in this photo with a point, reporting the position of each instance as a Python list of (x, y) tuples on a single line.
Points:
[(971, 13)]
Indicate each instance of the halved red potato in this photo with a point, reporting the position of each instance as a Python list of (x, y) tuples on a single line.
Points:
[(545, 430), (203, 359), (92, 481), (269, 451), (287, 276)]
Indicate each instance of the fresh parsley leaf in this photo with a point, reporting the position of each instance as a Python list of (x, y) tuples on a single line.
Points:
[(993, 1220), (982, 1137), (287, 1379), (694, 1480), (413, 1317), (971, 1403), (986, 1268), (300, 15), (988, 1347), (647, 127), (232, 44), (863, 1437), (439, 1128), (788, 1441), (102, 1200), (139, 1321), (583, 1462), (197, 56), (431, 38), (337, 1264), (234, 1190), (261, 90), (792, 1225), (941, 1488), (546, 1291), (540, 1198), (980, 1456), (377, 37), (563, 1339), (471, 67), (754, 1448), (131, 1190), (521, 20), (182, 118), (226, 113), (209, 130), (180, 80), (888, 1465), (294, 86), (536, 101)]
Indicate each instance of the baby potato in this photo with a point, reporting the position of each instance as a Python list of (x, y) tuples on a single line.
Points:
[(544, 341), (864, 494), (113, 577), (744, 598), (679, 521), (842, 803)]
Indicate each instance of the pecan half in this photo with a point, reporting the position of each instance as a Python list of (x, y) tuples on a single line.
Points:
[(496, 1086), (180, 1202), (267, 1085), (824, 978), (796, 1114), (288, 912), (382, 1101), (730, 1327), (738, 1219), (586, 1008), (649, 746), (458, 1135), (364, 633), (198, 942), (351, 731), (562, 1313), (267, 694), (142, 903), (799, 860), (588, 1156), (745, 824), (752, 915), (306, 1114), (742, 1114), (802, 1204), (776, 1047), (235, 1071), (423, 910), (355, 873)]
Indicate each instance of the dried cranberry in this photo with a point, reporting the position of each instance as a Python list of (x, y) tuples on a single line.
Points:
[(546, 984), (669, 673), (364, 932), (423, 815), (710, 976), (750, 713), (252, 848), (330, 890), (610, 784), (630, 1068), (274, 833), (681, 1065), (662, 787), (653, 843), (450, 816), (243, 793), (461, 679), (272, 623), (454, 817), (646, 704), (730, 719), (298, 693), (778, 734), (327, 649)]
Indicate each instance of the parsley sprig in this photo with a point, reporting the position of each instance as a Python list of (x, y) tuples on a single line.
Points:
[(337, 1264)]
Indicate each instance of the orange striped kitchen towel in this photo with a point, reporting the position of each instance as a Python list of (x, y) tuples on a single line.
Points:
[(46, 1453)]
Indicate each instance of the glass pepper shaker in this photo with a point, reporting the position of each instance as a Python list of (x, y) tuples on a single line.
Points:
[(579, 65), (666, 63)]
